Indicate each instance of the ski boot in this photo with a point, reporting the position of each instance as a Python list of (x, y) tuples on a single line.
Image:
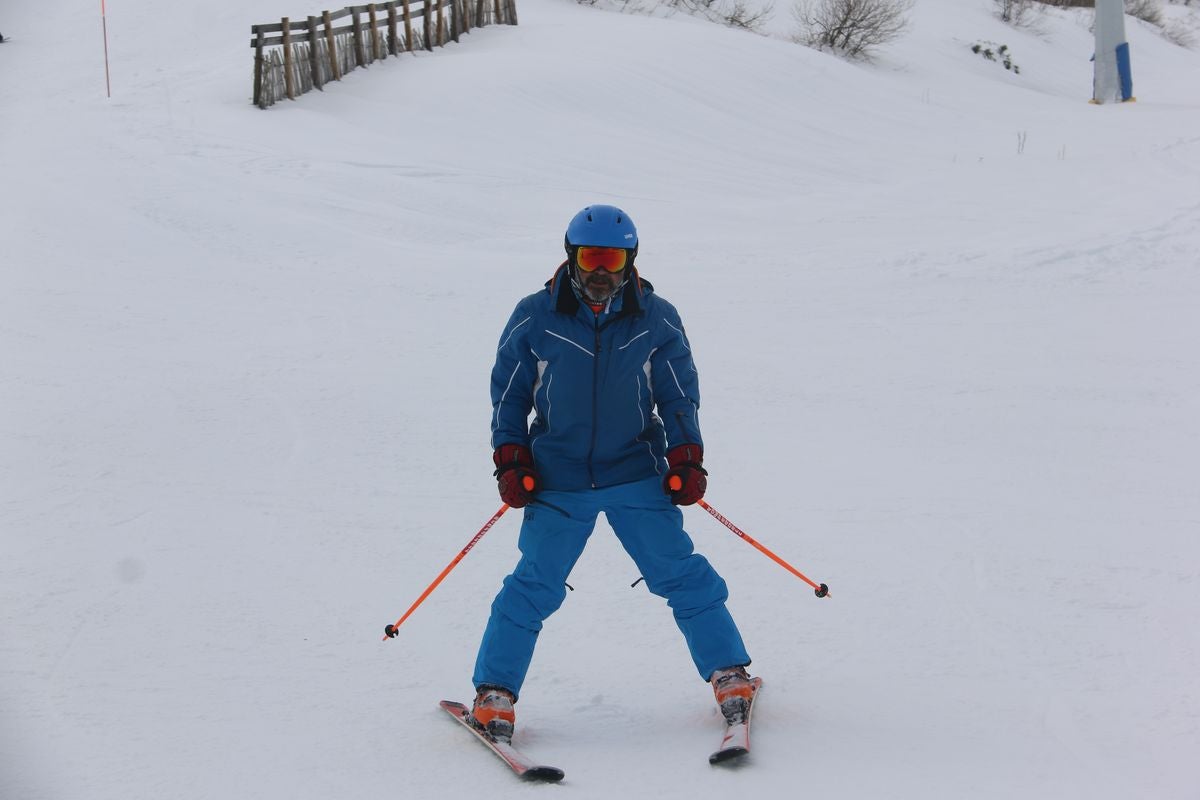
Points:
[(734, 690), (493, 712)]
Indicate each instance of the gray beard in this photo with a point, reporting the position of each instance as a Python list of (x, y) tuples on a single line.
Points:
[(584, 292)]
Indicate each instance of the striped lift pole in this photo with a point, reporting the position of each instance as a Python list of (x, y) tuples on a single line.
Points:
[(1113, 82)]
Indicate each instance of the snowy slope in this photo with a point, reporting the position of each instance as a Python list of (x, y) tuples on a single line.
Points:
[(244, 409)]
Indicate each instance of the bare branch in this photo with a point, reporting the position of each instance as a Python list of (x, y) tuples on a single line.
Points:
[(854, 27)]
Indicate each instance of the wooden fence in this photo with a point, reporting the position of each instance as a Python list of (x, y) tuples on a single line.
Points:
[(291, 58)]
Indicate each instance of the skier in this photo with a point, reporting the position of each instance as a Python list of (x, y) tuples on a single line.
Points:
[(595, 355)]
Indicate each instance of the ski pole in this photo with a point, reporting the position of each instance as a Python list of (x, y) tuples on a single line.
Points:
[(390, 631), (821, 589)]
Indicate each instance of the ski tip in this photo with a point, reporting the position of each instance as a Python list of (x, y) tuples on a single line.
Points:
[(454, 708), (543, 774), (730, 755)]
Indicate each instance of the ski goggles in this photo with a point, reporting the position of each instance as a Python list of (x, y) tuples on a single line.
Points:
[(609, 259)]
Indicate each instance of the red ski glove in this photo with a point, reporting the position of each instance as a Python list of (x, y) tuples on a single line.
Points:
[(685, 480), (515, 477)]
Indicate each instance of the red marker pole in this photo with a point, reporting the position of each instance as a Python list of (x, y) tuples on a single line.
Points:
[(104, 25)]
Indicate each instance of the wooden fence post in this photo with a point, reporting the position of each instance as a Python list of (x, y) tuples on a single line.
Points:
[(393, 45), (360, 55), (375, 55), (288, 81), (331, 46), (429, 23), (497, 17), (441, 23), (408, 43), (314, 61), (512, 12), (258, 66), (480, 10), (454, 20)]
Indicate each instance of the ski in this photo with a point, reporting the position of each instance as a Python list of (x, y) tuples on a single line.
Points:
[(521, 765), (735, 746)]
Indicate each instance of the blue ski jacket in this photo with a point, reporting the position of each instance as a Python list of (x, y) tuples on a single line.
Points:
[(609, 392)]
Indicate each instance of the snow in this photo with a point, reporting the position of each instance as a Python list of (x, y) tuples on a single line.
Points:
[(245, 412)]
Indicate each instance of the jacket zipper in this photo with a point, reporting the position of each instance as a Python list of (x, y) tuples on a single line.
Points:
[(597, 328), (595, 401)]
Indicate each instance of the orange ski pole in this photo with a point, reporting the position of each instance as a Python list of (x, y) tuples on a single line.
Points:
[(390, 631), (821, 589)]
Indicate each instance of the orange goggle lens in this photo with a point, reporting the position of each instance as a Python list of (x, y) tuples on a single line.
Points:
[(609, 259)]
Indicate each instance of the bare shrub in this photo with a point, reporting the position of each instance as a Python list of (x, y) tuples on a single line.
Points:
[(1135, 8), (854, 27), (1145, 10), (741, 16), (1179, 34), (1019, 13), (734, 13)]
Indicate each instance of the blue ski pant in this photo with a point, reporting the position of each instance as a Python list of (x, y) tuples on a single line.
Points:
[(651, 530)]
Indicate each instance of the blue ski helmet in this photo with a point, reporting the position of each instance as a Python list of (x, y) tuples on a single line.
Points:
[(602, 226)]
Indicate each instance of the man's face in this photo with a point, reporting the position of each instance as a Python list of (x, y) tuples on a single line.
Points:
[(601, 270), (600, 285)]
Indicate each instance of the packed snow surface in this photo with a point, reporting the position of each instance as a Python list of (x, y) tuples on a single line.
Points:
[(945, 317)]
